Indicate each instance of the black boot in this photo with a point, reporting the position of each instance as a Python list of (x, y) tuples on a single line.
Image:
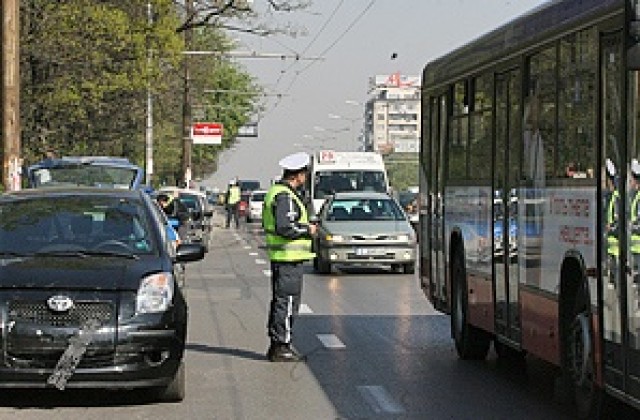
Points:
[(283, 353)]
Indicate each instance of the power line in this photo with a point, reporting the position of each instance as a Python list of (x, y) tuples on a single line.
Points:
[(330, 47), (322, 28)]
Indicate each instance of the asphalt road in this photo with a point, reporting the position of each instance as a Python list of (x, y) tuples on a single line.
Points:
[(375, 349)]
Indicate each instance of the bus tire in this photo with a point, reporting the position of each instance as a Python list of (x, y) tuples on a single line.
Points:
[(579, 359), (471, 342)]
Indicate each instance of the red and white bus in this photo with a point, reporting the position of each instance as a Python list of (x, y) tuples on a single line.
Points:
[(527, 201)]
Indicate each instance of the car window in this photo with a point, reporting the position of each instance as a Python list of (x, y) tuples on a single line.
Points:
[(86, 175), (191, 201), (364, 210), (257, 197), (73, 223)]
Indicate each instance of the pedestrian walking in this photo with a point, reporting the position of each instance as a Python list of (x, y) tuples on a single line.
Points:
[(288, 239), (232, 201)]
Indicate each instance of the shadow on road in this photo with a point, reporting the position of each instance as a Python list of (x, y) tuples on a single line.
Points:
[(245, 354), (52, 398)]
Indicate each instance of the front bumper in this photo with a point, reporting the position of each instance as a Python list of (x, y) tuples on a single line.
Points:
[(368, 254), (141, 351)]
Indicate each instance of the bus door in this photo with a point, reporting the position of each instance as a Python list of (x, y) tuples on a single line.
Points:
[(505, 205), (618, 289), (438, 280), (614, 289)]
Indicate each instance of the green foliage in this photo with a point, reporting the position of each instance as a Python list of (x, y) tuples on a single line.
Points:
[(402, 170), (86, 68)]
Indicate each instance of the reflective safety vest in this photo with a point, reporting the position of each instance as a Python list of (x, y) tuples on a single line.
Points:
[(635, 225), (234, 195), (280, 248), (613, 243)]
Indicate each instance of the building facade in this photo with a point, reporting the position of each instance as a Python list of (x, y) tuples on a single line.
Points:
[(392, 115)]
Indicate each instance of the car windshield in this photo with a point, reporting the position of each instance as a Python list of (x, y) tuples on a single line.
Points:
[(364, 210), (257, 197), (331, 182), (74, 224), (85, 175), (191, 201), (249, 185)]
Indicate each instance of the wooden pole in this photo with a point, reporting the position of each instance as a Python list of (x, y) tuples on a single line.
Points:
[(11, 95), (186, 104)]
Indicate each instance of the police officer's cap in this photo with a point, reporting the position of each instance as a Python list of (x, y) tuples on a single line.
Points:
[(611, 168), (295, 162), (232, 182), (635, 168)]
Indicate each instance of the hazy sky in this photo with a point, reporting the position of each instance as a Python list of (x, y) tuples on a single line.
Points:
[(356, 40)]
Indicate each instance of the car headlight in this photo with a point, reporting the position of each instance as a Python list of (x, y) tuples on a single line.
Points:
[(334, 238), (155, 293)]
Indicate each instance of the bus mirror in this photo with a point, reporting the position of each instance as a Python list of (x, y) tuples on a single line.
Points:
[(633, 34)]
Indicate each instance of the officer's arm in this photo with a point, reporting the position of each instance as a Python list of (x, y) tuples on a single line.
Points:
[(287, 225)]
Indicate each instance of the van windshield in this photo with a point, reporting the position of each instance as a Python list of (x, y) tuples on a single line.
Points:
[(331, 182)]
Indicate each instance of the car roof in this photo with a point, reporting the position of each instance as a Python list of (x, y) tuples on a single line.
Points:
[(359, 195), (75, 191)]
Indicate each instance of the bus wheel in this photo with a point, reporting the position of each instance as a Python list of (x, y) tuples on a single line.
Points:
[(579, 359), (508, 354), (471, 343)]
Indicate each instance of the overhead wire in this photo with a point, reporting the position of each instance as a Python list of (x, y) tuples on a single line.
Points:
[(333, 44)]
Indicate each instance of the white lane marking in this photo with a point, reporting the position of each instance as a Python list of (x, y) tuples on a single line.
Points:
[(304, 309), (259, 261), (266, 273), (248, 247), (253, 254), (330, 341), (379, 399)]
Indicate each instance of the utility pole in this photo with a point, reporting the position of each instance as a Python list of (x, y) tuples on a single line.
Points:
[(11, 167), (149, 130), (186, 103)]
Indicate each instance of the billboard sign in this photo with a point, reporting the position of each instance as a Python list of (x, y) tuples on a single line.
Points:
[(206, 133)]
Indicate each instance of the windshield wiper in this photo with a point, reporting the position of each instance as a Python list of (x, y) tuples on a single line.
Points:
[(87, 253)]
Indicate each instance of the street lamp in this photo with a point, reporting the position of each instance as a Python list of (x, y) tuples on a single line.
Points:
[(352, 121)]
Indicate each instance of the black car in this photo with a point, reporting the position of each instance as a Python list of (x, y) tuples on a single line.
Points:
[(88, 292)]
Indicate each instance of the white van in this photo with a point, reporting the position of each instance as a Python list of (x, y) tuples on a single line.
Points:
[(333, 171)]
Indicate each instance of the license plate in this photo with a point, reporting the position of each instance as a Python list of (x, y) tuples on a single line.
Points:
[(369, 251), (71, 357)]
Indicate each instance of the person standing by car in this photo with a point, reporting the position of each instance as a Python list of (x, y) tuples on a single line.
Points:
[(232, 201), (288, 238)]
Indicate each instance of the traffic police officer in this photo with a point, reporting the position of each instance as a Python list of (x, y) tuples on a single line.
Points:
[(232, 199), (634, 219), (288, 239), (611, 219)]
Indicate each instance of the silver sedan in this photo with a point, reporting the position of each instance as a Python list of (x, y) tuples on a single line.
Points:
[(364, 228)]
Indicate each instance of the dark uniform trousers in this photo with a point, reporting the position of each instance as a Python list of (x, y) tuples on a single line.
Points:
[(286, 287)]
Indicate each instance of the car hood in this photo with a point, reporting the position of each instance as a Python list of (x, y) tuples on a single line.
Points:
[(367, 227), (96, 273)]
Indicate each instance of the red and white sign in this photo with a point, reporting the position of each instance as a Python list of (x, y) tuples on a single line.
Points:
[(206, 133)]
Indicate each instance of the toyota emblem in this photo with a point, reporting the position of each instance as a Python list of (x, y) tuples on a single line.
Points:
[(60, 303)]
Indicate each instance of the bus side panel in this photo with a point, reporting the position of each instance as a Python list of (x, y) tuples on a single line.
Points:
[(480, 301), (540, 335)]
